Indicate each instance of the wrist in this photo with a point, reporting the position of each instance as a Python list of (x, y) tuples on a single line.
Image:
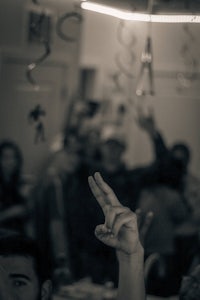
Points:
[(132, 257)]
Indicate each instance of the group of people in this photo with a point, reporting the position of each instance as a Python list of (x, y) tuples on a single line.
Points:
[(22, 272), (156, 222)]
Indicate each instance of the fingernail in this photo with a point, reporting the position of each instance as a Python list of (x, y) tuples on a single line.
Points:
[(89, 178)]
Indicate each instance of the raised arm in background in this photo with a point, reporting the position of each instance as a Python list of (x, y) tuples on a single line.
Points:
[(148, 124)]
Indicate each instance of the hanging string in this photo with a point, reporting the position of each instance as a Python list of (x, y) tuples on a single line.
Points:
[(35, 29), (145, 83), (34, 64)]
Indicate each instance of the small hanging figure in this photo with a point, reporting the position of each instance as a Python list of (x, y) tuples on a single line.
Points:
[(35, 117), (146, 70)]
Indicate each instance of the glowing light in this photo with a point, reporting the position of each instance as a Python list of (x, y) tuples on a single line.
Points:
[(126, 15)]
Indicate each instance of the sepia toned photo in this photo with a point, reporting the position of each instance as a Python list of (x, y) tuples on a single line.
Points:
[(99, 150)]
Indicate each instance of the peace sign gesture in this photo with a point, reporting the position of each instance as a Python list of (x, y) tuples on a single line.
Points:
[(120, 228)]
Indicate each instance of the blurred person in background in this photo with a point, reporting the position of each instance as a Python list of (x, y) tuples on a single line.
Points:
[(170, 164), (164, 276), (13, 208), (61, 197), (85, 255), (171, 168), (48, 213)]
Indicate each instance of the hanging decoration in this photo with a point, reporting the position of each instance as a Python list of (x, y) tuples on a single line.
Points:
[(119, 90), (36, 32), (128, 42), (35, 117), (125, 58), (73, 16), (145, 83), (34, 64), (187, 77), (122, 77)]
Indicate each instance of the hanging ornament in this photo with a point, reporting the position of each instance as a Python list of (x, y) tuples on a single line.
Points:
[(35, 117), (145, 84), (36, 31), (73, 16), (122, 77)]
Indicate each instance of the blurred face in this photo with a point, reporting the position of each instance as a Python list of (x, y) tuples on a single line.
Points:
[(180, 158), (112, 152), (8, 161), (18, 279)]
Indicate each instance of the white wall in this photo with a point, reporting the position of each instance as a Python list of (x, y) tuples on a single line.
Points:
[(57, 76), (176, 111)]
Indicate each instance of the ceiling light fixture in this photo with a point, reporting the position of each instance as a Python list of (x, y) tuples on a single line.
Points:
[(132, 16)]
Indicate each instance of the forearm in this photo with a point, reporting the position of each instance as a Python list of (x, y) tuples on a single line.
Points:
[(59, 240), (131, 276)]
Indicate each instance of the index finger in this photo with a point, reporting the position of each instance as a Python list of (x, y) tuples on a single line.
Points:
[(106, 189)]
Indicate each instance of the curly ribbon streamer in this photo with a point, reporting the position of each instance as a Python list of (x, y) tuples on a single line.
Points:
[(186, 78), (34, 64), (124, 59), (35, 28), (70, 15)]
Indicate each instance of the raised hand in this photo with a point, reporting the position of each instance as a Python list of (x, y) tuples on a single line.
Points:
[(120, 228), (146, 122)]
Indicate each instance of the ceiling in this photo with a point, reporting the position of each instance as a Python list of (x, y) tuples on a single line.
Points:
[(158, 6)]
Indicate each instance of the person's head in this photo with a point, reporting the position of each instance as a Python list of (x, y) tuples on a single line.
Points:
[(181, 155), (21, 269), (190, 286), (10, 159), (112, 147)]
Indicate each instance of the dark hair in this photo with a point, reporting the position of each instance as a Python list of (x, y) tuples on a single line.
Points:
[(7, 144), (183, 148), (16, 244)]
